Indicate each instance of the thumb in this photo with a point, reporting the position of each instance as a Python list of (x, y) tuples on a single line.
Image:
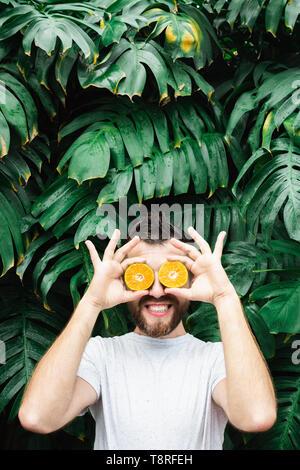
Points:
[(130, 296), (181, 292)]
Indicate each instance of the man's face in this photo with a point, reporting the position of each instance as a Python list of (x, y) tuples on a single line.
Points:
[(158, 313)]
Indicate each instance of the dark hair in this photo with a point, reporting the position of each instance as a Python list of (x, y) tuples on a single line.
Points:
[(156, 229)]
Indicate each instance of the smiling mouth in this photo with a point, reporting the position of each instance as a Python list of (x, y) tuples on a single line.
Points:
[(158, 310)]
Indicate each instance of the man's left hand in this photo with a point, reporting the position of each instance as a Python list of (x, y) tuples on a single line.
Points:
[(210, 280)]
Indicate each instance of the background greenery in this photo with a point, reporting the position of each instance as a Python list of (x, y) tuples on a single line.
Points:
[(170, 101)]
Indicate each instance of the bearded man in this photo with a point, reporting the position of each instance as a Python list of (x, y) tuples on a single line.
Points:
[(157, 387)]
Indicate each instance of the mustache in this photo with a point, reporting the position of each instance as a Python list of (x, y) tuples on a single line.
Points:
[(164, 298)]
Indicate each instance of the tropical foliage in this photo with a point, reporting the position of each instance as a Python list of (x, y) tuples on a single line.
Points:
[(170, 101)]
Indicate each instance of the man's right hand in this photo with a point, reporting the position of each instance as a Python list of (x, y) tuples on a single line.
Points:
[(107, 287)]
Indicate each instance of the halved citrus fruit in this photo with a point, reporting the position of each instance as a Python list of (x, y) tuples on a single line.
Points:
[(173, 274), (139, 276)]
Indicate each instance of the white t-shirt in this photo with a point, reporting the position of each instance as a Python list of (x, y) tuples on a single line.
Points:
[(155, 393)]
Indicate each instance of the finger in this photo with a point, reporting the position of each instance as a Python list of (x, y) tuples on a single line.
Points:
[(131, 296), (122, 252), (219, 244), (188, 262), (128, 261), (190, 250), (203, 245), (109, 250), (93, 253), (182, 292)]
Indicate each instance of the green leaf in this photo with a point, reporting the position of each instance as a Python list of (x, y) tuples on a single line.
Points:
[(131, 139), (181, 171), (64, 66), (51, 194), (90, 157), (107, 78), (264, 337), (14, 113), (55, 250), (76, 281), (149, 176), (26, 100), (279, 175), (284, 434), (164, 175), (160, 125), (117, 188), (4, 134), (6, 246), (145, 131), (285, 110), (45, 30), (52, 215), (197, 166), (131, 59), (203, 323), (245, 103), (112, 31), (88, 227), (65, 262), (33, 247), (273, 15), (242, 259), (80, 209), (13, 221), (281, 313), (28, 332), (292, 11)]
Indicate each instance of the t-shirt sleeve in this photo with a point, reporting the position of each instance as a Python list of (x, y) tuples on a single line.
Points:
[(88, 368), (218, 367)]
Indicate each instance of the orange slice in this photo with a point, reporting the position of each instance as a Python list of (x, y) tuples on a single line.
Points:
[(138, 276), (173, 274)]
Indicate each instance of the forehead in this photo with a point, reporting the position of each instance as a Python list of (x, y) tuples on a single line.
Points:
[(154, 254)]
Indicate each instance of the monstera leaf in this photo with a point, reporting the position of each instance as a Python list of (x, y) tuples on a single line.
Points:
[(16, 192), (273, 186), (281, 313), (187, 33), (46, 24), (174, 145), (248, 265), (284, 435), (126, 67), (248, 13), (277, 97), (281, 309), (18, 112), (27, 331)]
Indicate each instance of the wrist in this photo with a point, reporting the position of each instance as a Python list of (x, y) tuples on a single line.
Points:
[(91, 302), (228, 294)]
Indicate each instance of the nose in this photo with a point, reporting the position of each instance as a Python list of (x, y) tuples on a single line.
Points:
[(157, 289)]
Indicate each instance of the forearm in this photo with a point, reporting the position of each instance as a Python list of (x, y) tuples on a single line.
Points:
[(250, 391), (50, 388)]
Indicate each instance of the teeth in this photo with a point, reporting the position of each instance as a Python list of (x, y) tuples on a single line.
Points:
[(157, 308)]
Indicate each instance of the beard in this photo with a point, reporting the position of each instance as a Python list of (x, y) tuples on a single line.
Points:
[(161, 326)]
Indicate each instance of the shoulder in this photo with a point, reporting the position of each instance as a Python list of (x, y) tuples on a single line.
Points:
[(215, 349), (209, 346), (211, 352)]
